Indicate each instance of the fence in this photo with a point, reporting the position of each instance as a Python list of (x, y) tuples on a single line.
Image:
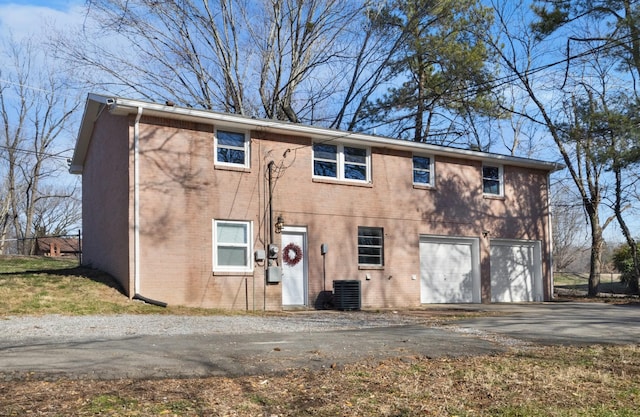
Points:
[(53, 246)]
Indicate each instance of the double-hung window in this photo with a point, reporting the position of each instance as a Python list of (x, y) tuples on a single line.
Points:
[(492, 182), (370, 246), (232, 246), (231, 148), (422, 170), (341, 162)]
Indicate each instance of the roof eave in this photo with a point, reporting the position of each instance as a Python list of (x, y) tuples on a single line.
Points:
[(92, 108), (119, 106)]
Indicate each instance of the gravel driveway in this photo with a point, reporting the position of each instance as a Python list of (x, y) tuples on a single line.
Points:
[(56, 327), (159, 346), (152, 346)]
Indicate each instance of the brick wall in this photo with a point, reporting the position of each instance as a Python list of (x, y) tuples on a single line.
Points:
[(106, 200), (182, 191)]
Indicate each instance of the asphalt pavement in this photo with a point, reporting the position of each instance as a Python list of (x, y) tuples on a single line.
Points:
[(561, 323), (159, 356)]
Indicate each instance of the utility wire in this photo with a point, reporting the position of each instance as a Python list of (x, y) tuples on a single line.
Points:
[(469, 90), (30, 152)]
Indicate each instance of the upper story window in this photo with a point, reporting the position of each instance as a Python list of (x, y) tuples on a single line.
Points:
[(492, 183), (232, 246), (232, 148), (423, 170), (370, 246), (341, 162)]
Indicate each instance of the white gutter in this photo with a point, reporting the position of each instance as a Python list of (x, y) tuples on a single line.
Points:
[(126, 106), (136, 203)]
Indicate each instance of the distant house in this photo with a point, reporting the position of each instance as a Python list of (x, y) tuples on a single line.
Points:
[(206, 209), (58, 246)]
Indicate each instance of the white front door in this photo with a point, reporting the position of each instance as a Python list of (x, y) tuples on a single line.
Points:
[(294, 266), (449, 270)]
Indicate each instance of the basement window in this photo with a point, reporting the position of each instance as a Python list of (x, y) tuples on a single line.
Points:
[(370, 246)]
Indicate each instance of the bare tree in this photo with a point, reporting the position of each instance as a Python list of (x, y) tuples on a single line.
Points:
[(267, 58), (604, 31), (320, 62), (569, 227), (35, 111), (300, 39), (557, 105), (13, 109), (57, 211)]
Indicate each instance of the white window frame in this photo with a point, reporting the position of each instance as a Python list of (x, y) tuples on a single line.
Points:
[(431, 170), (500, 179), (342, 163), (246, 148), (248, 266)]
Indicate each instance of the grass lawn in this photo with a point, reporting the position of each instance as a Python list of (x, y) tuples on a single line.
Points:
[(600, 381), (32, 285), (579, 283)]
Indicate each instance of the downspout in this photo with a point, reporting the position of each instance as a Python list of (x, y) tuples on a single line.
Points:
[(136, 203), (270, 167), (271, 238), (550, 234)]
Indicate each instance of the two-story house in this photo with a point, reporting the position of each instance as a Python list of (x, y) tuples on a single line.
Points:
[(199, 208)]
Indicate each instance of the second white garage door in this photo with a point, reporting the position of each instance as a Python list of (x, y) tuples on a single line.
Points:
[(516, 272), (449, 270)]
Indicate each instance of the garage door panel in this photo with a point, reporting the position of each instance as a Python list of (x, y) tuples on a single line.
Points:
[(516, 274), (449, 271)]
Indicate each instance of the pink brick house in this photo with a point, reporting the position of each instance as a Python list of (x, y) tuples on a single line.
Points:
[(205, 209)]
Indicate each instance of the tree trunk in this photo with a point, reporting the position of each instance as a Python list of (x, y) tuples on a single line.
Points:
[(596, 257), (618, 209)]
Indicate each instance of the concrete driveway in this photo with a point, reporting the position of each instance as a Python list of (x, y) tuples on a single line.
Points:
[(564, 323), (152, 356)]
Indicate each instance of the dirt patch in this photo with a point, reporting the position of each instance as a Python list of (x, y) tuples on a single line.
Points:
[(579, 294)]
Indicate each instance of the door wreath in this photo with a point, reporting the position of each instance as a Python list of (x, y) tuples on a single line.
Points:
[(292, 254)]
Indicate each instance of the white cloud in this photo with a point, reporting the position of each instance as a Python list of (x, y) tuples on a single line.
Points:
[(19, 20)]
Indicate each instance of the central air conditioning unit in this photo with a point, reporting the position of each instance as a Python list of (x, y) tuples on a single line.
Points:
[(346, 294)]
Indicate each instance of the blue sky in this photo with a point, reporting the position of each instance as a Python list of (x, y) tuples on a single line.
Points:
[(53, 4)]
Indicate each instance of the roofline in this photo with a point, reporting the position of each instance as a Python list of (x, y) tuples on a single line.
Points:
[(120, 106)]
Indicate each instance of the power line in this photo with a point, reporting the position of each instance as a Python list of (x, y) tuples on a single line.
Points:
[(468, 90), (36, 153)]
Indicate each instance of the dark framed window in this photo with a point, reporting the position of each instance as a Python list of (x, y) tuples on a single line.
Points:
[(231, 148), (422, 170), (341, 162), (370, 246), (492, 180)]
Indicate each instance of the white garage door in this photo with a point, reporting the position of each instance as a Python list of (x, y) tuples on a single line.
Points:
[(516, 271), (449, 270)]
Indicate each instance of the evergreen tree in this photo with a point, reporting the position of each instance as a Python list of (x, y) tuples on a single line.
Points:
[(442, 70)]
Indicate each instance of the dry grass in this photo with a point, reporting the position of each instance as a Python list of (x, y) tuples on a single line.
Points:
[(552, 381), (32, 285), (563, 381)]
